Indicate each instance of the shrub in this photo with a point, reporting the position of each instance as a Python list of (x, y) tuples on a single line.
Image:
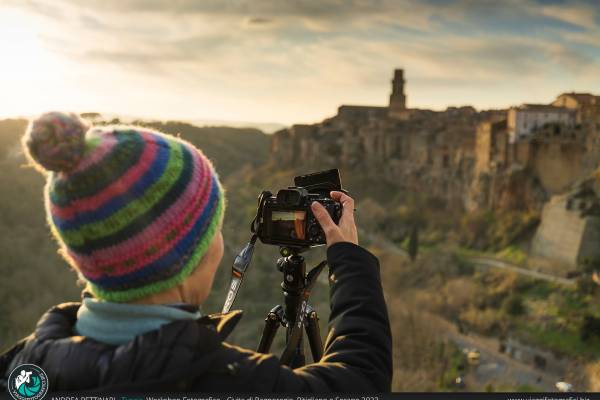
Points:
[(585, 284), (513, 305), (590, 327)]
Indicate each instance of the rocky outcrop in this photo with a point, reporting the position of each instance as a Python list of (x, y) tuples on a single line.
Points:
[(570, 228), (432, 150)]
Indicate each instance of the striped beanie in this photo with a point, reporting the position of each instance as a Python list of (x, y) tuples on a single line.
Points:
[(134, 210)]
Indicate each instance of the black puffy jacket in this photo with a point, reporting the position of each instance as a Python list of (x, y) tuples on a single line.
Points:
[(191, 355)]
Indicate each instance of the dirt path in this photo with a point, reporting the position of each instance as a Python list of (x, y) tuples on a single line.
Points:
[(492, 262), (479, 261)]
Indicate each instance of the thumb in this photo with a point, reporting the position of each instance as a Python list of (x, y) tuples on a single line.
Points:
[(323, 217)]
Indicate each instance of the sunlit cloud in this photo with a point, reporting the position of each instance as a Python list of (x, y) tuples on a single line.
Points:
[(290, 61)]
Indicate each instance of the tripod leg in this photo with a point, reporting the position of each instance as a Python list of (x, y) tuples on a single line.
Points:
[(272, 323), (313, 333)]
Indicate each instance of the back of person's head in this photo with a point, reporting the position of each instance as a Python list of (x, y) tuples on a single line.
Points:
[(133, 210)]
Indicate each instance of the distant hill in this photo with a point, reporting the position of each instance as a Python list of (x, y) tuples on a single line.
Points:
[(267, 127), (229, 148)]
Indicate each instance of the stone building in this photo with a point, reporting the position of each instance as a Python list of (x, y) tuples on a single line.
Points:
[(492, 147), (586, 106), (527, 118), (553, 145), (397, 107), (587, 109)]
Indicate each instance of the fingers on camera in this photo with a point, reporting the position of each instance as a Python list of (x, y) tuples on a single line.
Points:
[(322, 216), (346, 201), (343, 198)]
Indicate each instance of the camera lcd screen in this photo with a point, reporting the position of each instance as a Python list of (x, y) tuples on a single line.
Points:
[(288, 224)]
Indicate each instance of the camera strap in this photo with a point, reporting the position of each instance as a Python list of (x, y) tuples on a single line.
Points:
[(242, 261), (238, 270), (296, 331)]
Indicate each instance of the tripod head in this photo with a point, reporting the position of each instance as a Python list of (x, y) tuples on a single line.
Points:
[(291, 259)]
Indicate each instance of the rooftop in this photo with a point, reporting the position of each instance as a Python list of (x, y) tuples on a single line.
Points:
[(579, 96), (543, 107)]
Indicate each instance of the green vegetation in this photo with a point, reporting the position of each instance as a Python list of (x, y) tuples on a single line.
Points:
[(513, 305), (455, 366), (563, 341), (512, 254), (501, 304), (494, 230)]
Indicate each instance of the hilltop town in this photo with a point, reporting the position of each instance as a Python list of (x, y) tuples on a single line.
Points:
[(530, 157)]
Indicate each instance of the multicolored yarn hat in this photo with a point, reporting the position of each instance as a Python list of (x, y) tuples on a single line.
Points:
[(134, 210)]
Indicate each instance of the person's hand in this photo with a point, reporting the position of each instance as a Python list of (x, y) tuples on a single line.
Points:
[(346, 230)]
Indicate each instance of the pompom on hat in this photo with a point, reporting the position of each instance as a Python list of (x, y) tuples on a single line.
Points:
[(56, 140), (134, 210)]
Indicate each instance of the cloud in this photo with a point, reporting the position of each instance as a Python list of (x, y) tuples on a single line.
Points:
[(582, 15), (271, 54), (258, 21)]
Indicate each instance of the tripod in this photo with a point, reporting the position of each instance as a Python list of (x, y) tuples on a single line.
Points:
[(296, 288)]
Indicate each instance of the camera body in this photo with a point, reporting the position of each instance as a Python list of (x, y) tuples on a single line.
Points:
[(287, 220)]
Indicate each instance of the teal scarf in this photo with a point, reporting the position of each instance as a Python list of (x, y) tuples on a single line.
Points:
[(117, 323)]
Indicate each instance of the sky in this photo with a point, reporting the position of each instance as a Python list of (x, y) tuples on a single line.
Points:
[(289, 61)]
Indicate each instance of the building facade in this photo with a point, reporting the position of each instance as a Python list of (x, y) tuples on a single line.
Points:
[(527, 118)]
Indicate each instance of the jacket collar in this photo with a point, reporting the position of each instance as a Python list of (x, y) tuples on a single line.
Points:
[(222, 323)]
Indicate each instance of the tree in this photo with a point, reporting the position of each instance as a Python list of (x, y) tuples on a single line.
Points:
[(513, 305), (413, 243)]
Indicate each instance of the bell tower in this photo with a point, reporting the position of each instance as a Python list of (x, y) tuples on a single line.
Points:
[(397, 107)]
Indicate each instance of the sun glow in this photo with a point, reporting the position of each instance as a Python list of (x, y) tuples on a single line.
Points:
[(28, 70)]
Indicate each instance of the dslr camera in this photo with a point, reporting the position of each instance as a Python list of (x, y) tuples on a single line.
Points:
[(286, 219)]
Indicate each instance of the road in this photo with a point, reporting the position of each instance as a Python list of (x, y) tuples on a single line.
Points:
[(475, 260), (492, 262), (499, 369)]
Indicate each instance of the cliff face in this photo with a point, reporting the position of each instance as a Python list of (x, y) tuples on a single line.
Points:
[(430, 151), (456, 155), (526, 173)]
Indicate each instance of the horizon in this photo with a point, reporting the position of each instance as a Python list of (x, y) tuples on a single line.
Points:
[(291, 63)]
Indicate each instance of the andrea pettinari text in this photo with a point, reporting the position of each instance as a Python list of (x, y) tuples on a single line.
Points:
[(225, 397)]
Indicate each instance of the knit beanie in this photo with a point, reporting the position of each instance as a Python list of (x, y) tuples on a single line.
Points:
[(133, 210)]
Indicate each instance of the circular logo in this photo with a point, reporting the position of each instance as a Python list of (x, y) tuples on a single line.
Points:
[(28, 382)]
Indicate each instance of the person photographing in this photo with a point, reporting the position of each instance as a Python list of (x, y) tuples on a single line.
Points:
[(138, 215)]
